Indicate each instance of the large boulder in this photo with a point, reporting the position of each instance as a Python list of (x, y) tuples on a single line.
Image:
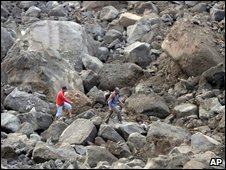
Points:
[(9, 122), (108, 133), (23, 102), (95, 154), (192, 47), (52, 50), (38, 120), (7, 41), (138, 53), (202, 143), (80, 101), (92, 63), (149, 104), (74, 134), (185, 109), (43, 152), (166, 136), (96, 95), (90, 79), (128, 128), (54, 131), (119, 75)]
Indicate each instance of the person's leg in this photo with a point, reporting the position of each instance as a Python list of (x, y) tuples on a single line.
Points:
[(118, 112), (59, 112), (68, 107), (108, 116)]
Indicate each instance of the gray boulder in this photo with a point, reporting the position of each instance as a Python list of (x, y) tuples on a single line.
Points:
[(202, 143), (19, 142), (92, 63), (89, 79), (108, 13), (213, 78), (191, 3), (58, 11), (74, 134), (43, 152), (166, 136), (22, 101), (108, 133), (207, 107), (217, 14), (87, 114), (7, 41), (112, 35), (136, 143), (128, 128), (120, 149), (27, 4), (148, 104), (33, 11), (186, 109), (138, 53), (200, 7), (54, 131), (96, 95), (119, 75), (10, 122), (95, 154), (38, 120), (25, 128)]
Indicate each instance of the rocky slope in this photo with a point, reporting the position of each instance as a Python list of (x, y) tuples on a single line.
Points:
[(167, 58)]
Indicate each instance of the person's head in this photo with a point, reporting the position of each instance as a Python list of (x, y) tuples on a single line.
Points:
[(64, 88), (116, 90)]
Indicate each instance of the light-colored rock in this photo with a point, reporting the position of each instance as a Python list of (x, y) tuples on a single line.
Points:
[(136, 142), (126, 19), (108, 13), (193, 164), (25, 128), (186, 109), (74, 134), (80, 101), (202, 143), (10, 122), (33, 11)]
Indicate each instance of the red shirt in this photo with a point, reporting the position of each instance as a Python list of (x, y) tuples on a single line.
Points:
[(60, 99)]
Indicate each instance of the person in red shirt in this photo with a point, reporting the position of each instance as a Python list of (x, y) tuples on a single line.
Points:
[(63, 102)]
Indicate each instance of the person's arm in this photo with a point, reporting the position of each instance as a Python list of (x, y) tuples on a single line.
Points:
[(65, 99)]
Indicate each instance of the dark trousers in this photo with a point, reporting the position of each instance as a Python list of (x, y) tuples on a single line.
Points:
[(118, 112)]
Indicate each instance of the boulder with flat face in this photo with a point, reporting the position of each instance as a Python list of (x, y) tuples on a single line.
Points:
[(148, 104), (119, 75)]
